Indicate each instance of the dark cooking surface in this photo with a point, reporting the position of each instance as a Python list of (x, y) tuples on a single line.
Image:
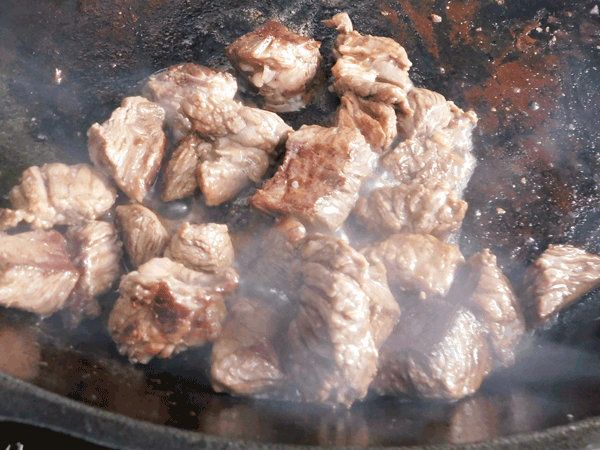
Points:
[(529, 69)]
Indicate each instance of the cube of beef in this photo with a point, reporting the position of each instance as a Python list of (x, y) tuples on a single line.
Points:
[(417, 262), (143, 234), (170, 87), (437, 351), (321, 175), (370, 66), (345, 313), (165, 308), (57, 194), (419, 206), (95, 250), (284, 66), (556, 279), (495, 304), (204, 247), (36, 273), (130, 145)]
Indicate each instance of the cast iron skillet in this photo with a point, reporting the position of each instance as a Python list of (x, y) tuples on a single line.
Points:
[(528, 68)]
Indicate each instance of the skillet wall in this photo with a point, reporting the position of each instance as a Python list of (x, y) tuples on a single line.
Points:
[(528, 68)]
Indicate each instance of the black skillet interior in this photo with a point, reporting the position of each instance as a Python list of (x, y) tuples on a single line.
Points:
[(528, 68)]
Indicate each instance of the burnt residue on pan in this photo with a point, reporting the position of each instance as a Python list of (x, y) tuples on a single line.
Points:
[(528, 68)]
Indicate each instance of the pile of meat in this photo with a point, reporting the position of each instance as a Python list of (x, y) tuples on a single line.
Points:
[(357, 284)]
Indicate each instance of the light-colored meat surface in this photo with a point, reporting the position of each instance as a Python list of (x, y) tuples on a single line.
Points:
[(419, 206), (165, 308), (203, 247), (321, 175), (58, 194), (95, 249), (370, 66), (345, 313), (418, 262), (282, 65), (170, 87), (556, 279), (130, 145), (36, 273), (143, 234)]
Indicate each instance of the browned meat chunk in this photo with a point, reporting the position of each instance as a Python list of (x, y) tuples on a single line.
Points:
[(281, 64), (419, 206), (437, 351), (205, 247), (370, 66), (418, 262), (243, 357), (143, 234), (130, 145), (495, 304), (170, 87), (165, 308), (96, 251), (36, 273), (57, 194), (376, 121), (346, 312), (556, 279), (321, 175), (181, 169)]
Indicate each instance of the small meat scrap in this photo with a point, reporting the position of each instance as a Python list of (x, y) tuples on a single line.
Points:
[(346, 311), (420, 206), (204, 247), (143, 234), (58, 194), (243, 357), (560, 276), (284, 66), (130, 145), (321, 175), (418, 262), (36, 273), (170, 87), (376, 121), (495, 304), (437, 351), (165, 308), (95, 250), (180, 173), (369, 66)]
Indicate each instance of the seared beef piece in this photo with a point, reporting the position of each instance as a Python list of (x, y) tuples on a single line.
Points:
[(556, 279), (437, 351), (36, 273), (243, 358), (180, 171), (376, 121), (130, 145), (57, 194), (143, 234), (96, 251), (243, 137), (165, 308), (320, 177), (495, 304), (419, 206), (281, 64), (205, 247), (418, 262), (431, 112), (345, 313), (170, 87), (369, 66)]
